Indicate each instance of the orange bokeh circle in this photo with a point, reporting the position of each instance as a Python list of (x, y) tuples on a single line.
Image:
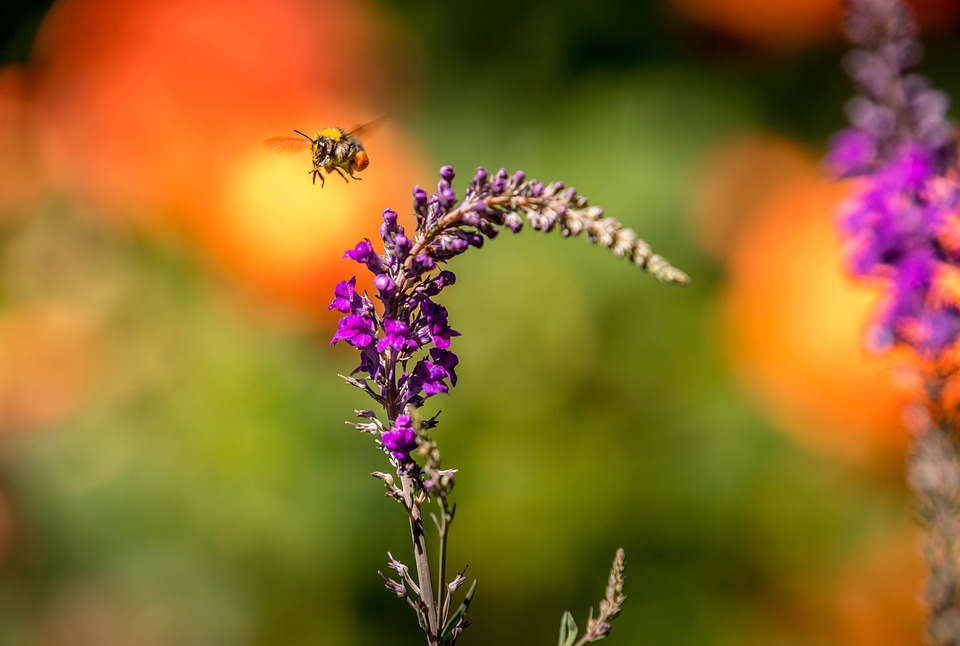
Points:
[(153, 115), (794, 24), (792, 325), (787, 24)]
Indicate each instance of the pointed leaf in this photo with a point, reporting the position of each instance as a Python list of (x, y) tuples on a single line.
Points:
[(458, 615), (568, 630)]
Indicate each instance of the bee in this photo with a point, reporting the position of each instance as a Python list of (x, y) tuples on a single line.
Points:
[(333, 149)]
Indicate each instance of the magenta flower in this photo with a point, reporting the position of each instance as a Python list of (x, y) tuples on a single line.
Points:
[(401, 440), (356, 329), (345, 297)]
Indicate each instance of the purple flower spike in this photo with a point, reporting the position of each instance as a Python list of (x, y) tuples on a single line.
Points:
[(405, 339), (903, 148)]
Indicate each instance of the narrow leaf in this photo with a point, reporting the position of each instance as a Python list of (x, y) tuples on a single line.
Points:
[(458, 615), (568, 630)]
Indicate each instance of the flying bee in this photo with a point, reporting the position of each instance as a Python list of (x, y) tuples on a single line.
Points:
[(333, 149)]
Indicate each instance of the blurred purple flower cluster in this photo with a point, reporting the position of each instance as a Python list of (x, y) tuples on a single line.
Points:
[(903, 148)]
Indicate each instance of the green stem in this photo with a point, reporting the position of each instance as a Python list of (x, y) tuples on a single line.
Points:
[(424, 580), (442, 566)]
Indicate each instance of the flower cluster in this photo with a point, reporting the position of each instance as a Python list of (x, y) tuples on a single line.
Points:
[(404, 342), (903, 148)]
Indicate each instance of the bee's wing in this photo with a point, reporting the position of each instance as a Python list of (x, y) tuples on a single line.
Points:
[(287, 144), (366, 128)]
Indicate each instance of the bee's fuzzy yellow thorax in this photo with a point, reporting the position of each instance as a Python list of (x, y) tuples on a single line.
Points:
[(331, 133)]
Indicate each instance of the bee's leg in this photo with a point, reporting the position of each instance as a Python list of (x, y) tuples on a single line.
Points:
[(342, 175), (316, 173)]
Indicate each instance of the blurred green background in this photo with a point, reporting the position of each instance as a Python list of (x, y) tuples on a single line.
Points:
[(174, 463)]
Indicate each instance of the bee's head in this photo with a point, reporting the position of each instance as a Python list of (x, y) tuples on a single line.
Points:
[(360, 160)]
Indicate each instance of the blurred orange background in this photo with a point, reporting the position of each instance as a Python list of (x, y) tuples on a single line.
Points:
[(173, 466), (152, 114)]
